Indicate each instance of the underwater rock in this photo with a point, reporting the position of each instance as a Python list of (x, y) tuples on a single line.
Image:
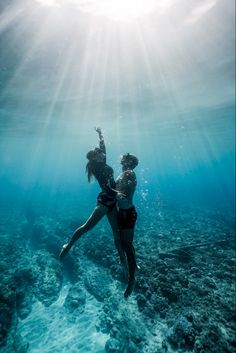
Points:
[(119, 273), (181, 279), (24, 276), (102, 252), (44, 237), (15, 281), (198, 288), (209, 282), (6, 313), (202, 291), (160, 304), (97, 282), (49, 277), (148, 311), (124, 326), (23, 303), (7, 295), (195, 270), (24, 279), (72, 266), (161, 267), (20, 345), (76, 299), (212, 341), (113, 346), (169, 293), (141, 301), (182, 334), (142, 285)]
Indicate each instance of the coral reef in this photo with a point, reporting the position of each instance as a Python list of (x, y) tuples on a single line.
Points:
[(182, 302)]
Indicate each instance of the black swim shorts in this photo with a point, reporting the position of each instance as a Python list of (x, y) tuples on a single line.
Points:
[(127, 218), (106, 200)]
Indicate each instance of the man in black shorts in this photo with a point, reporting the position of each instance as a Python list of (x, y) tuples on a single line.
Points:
[(127, 215)]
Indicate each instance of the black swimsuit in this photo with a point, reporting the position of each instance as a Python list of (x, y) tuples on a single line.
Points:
[(105, 177), (127, 217), (105, 200)]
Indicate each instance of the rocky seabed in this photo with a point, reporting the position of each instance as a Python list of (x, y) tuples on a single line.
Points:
[(184, 299)]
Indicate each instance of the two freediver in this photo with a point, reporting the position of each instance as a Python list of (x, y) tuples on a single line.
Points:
[(116, 202)]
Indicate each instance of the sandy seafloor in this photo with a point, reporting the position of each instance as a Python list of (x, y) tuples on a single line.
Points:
[(183, 301)]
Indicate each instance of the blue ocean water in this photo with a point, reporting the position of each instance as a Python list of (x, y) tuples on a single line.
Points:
[(187, 163), (161, 85)]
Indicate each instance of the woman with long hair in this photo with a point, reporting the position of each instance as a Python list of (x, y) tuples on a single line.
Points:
[(106, 200)]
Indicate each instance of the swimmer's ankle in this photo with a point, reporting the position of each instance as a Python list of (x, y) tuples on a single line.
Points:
[(130, 288)]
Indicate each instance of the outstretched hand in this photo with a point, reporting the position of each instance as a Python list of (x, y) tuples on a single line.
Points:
[(98, 130)]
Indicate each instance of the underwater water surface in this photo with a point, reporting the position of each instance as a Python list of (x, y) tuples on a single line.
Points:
[(158, 77)]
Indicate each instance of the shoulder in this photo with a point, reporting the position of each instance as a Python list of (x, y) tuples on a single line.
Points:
[(129, 176)]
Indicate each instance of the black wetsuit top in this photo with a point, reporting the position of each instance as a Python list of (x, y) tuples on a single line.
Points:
[(104, 174)]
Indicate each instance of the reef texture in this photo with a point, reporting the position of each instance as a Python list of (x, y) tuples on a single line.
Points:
[(184, 299)]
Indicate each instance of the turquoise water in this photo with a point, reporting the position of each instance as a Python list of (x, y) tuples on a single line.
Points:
[(164, 91), (160, 83)]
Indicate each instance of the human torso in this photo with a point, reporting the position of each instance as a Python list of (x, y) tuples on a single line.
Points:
[(126, 184), (105, 177)]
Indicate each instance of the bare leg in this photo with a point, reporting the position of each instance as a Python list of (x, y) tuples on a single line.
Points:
[(95, 217), (127, 236), (112, 217)]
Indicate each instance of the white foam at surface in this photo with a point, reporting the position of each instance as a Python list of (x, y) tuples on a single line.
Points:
[(49, 329)]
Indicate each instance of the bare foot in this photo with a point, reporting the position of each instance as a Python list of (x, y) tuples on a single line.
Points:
[(129, 289), (65, 249)]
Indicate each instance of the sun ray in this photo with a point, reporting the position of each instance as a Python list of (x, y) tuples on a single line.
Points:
[(9, 16)]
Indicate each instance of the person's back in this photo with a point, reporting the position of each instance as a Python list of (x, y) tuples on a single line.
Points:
[(104, 176)]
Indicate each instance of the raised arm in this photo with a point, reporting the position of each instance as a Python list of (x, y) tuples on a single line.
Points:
[(101, 139)]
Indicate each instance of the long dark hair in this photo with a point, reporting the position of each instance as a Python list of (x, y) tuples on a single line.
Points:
[(91, 164), (89, 171)]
